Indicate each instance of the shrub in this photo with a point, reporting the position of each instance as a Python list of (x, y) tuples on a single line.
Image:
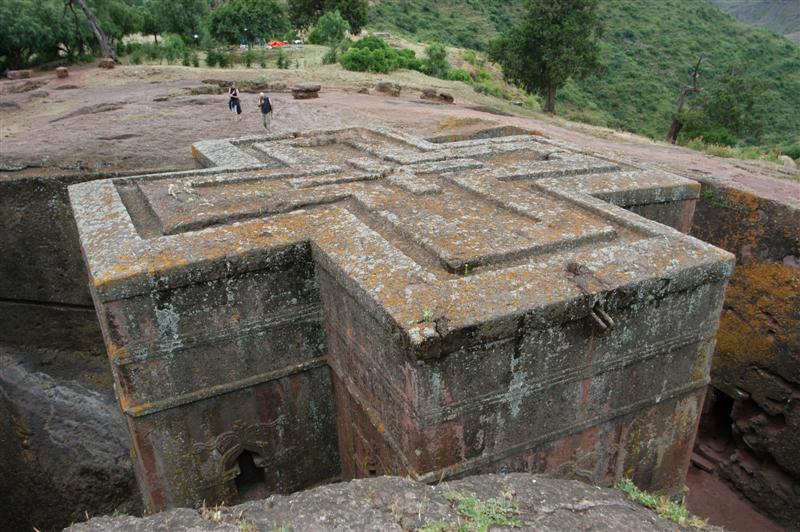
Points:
[(173, 48), (136, 57), (314, 37), (195, 60), (224, 59), (212, 58), (331, 56), (152, 51), (248, 57), (459, 74), (406, 58), (792, 149), (372, 54), (366, 60), (470, 57), (283, 61), (436, 64)]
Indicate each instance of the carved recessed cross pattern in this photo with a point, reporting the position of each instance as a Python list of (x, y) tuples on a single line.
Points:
[(402, 304)]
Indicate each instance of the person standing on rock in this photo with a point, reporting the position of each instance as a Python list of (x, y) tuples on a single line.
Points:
[(266, 109), (233, 103)]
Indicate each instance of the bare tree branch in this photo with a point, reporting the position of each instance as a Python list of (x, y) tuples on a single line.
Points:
[(677, 125)]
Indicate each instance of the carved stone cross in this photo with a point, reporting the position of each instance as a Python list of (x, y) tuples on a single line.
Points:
[(403, 307)]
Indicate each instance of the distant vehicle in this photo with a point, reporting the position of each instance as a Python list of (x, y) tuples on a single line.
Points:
[(276, 44), (298, 42)]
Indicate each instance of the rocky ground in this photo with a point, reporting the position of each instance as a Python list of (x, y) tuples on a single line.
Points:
[(146, 117), (62, 436), (388, 503), (136, 119)]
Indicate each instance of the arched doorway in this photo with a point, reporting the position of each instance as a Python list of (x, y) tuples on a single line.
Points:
[(250, 481)]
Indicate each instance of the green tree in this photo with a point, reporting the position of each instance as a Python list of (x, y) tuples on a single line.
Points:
[(330, 29), (556, 40), (436, 64), (729, 112), (26, 32), (182, 17), (244, 19), (37, 31), (304, 13), (372, 54), (353, 11), (151, 24)]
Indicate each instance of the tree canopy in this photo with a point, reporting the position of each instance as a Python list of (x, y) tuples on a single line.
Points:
[(305, 13), (37, 31), (556, 40), (240, 20), (330, 29), (436, 64), (731, 109), (182, 17)]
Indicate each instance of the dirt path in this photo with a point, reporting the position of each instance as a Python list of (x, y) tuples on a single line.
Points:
[(712, 499), (143, 118)]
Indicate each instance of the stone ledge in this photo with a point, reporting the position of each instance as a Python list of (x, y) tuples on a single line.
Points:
[(391, 503)]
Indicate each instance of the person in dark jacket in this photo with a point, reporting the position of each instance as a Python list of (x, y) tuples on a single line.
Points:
[(266, 109), (233, 102)]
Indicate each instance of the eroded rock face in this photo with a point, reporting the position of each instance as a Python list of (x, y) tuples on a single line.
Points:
[(757, 359), (305, 91), (63, 450), (361, 302), (390, 503), (436, 95), (388, 87)]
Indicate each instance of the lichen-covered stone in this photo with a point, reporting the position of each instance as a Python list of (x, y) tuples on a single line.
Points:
[(757, 359), (19, 74), (360, 302), (390, 503)]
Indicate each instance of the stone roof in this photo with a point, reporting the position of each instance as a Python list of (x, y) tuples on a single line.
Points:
[(434, 238)]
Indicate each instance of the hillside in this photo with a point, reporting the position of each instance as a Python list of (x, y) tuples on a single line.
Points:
[(780, 16), (647, 46)]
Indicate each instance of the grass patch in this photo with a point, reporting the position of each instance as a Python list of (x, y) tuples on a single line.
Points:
[(665, 508), (478, 516), (752, 153)]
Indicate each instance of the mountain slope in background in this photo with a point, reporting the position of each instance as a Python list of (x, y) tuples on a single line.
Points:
[(780, 16), (648, 47)]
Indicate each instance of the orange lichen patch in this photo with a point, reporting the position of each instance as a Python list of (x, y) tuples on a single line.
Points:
[(138, 409), (745, 223), (761, 318)]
